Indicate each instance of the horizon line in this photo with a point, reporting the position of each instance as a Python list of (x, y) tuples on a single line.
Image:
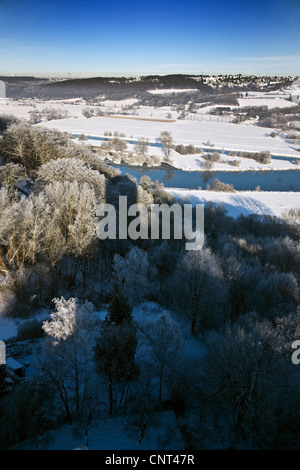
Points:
[(75, 76)]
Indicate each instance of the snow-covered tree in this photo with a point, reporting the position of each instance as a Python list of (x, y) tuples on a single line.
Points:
[(167, 141), (165, 340), (202, 289), (131, 276), (247, 379), (67, 354), (72, 169), (115, 360), (142, 146)]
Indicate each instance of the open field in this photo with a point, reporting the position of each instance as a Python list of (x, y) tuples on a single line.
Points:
[(239, 137), (242, 202)]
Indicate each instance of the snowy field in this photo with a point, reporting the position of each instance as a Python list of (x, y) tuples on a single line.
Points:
[(196, 162), (242, 202), (238, 137), (201, 129), (269, 102)]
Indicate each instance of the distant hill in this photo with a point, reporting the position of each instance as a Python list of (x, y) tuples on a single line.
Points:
[(118, 88)]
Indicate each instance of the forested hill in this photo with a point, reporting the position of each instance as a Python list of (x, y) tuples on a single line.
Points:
[(118, 88)]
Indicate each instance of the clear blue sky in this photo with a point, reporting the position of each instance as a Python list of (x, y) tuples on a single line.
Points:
[(130, 37)]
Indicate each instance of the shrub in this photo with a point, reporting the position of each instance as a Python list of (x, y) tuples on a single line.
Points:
[(217, 185), (212, 157), (30, 329), (235, 162), (263, 157), (87, 112)]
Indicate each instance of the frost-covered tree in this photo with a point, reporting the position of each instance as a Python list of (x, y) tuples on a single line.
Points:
[(144, 197), (72, 169), (67, 353), (11, 174), (15, 145), (131, 276), (292, 218), (165, 340), (167, 141), (202, 289), (247, 379), (277, 293), (142, 146), (115, 360), (7, 120), (182, 381)]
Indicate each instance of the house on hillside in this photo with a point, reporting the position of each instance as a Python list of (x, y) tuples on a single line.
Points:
[(11, 373), (14, 366)]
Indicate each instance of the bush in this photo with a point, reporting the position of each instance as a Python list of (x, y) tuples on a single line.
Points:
[(235, 162), (263, 157), (187, 149), (88, 112), (30, 329), (217, 185), (212, 157)]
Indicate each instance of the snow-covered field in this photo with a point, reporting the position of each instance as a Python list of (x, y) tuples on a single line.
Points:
[(197, 130), (269, 102), (238, 137), (242, 202), (196, 162)]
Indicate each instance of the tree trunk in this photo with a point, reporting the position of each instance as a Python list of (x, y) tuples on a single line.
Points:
[(111, 398)]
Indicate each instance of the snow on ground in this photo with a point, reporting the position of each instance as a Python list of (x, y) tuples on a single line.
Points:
[(8, 328), (222, 135), (270, 102), (196, 162), (242, 202), (196, 130), (24, 108), (108, 434), (19, 109)]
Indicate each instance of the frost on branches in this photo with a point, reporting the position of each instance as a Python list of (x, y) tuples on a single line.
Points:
[(69, 319)]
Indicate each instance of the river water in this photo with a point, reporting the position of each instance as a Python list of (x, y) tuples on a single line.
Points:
[(281, 180)]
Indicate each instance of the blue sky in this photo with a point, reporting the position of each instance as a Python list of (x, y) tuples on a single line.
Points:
[(130, 38)]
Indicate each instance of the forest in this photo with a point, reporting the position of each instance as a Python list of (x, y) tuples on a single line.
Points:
[(237, 297)]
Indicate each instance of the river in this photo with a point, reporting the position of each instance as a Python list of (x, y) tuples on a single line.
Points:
[(281, 180)]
